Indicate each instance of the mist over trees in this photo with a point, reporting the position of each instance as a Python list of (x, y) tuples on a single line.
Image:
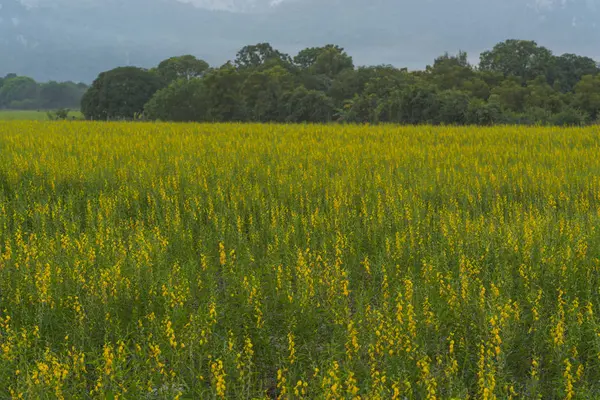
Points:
[(516, 82), (24, 93)]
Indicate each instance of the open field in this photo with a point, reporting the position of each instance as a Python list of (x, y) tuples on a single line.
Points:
[(24, 115), (148, 261)]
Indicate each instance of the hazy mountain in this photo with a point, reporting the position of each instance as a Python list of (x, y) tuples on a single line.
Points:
[(77, 39)]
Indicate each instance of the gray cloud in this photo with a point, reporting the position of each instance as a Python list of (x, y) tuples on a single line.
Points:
[(77, 39)]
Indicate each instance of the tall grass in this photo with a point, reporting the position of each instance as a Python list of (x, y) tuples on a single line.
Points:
[(265, 261)]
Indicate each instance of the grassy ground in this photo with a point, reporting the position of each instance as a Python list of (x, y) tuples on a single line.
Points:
[(30, 115)]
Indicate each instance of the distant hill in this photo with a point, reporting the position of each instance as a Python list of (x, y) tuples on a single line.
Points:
[(77, 39)]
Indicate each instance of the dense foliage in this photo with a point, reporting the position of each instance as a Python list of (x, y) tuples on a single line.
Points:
[(120, 93), (23, 93), (163, 261), (516, 82)]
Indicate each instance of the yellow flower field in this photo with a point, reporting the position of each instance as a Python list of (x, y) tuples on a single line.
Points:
[(165, 261)]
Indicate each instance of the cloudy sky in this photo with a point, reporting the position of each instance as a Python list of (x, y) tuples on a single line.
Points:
[(58, 39), (228, 5), (238, 5), (259, 5), (244, 5), (251, 4)]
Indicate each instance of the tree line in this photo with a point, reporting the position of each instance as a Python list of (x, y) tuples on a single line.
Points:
[(516, 82), (24, 93)]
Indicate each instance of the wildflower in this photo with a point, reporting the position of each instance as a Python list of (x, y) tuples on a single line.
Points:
[(218, 374)]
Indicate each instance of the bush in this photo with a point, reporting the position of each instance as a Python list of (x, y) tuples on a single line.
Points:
[(182, 101), (570, 117), (539, 116), (454, 107), (58, 115), (481, 113)]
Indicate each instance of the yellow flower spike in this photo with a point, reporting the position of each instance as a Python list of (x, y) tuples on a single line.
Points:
[(569, 380), (218, 378), (222, 254), (291, 348)]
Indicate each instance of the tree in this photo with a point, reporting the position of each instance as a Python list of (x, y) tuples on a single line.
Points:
[(510, 95), (385, 89), (263, 91), (384, 81), (459, 60), (303, 105), (307, 57), (19, 92), (360, 109), (55, 95), (344, 86), (419, 104), (455, 73), (181, 101), (491, 78), (520, 58), (447, 75), (570, 68), (259, 55), (476, 87), (480, 112), (120, 93), (542, 95), (329, 60), (517, 82), (224, 100), (376, 92), (372, 79), (453, 107), (182, 67), (587, 96), (537, 116), (570, 117)]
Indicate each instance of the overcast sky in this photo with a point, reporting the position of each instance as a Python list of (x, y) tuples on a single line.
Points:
[(241, 5), (59, 39)]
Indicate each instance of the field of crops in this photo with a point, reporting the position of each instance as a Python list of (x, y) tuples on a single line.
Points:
[(157, 261)]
